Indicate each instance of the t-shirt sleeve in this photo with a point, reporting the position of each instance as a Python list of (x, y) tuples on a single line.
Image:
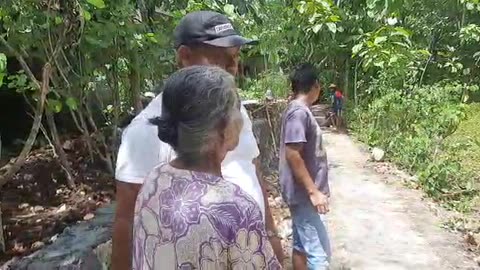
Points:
[(296, 123), (140, 151)]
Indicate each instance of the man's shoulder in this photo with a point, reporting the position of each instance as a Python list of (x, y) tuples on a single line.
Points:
[(294, 109), (140, 129)]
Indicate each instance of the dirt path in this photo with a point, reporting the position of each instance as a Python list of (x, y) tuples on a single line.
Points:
[(378, 225)]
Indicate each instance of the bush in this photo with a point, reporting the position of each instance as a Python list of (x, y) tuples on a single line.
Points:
[(276, 81), (412, 126)]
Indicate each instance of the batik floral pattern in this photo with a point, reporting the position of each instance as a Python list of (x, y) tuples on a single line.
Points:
[(198, 221)]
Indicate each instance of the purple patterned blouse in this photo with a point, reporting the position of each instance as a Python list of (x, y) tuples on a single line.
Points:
[(191, 220)]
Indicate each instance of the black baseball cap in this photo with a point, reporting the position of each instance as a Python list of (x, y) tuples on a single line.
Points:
[(208, 27)]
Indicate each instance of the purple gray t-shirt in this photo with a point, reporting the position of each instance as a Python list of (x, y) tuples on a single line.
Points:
[(299, 126)]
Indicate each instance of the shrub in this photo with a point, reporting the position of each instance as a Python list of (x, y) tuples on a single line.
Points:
[(412, 126)]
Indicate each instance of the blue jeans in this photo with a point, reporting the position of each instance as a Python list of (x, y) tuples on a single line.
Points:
[(310, 236)]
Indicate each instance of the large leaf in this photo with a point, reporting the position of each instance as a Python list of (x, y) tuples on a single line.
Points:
[(97, 3), (357, 48), (86, 15), (316, 28), (380, 40), (55, 105), (332, 27), (71, 103), (229, 9), (3, 62)]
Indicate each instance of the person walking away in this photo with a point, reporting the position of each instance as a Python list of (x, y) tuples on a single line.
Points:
[(304, 173), (201, 38), (187, 216)]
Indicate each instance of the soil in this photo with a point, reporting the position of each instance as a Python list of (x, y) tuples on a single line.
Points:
[(37, 204)]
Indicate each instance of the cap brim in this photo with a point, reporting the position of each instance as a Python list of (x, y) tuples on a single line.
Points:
[(231, 41)]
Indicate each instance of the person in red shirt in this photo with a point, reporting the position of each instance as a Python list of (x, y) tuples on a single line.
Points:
[(337, 103)]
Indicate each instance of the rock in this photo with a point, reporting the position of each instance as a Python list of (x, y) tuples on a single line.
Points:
[(53, 238), (88, 216), (23, 206), (378, 154), (470, 239), (285, 228), (68, 145), (38, 208), (279, 201), (477, 260), (62, 208), (38, 245), (271, 202)]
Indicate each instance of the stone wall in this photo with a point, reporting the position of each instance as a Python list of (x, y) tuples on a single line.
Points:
[(87, 246)]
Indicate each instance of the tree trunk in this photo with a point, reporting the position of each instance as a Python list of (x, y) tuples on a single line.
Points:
[(346, 82), (2, 240), (135, 84), (11, 169), (355, 86), (62, 156)]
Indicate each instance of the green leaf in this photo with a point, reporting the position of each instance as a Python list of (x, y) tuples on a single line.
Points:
[(470, 6), (58, 20), (55, 105), (401, 31), (86, 15), (97, 3), (393, 59), (380, 64), (3, 62), (229, 9), (332, 27), (424, 52), (335, 18), (316, 28), (71, 103), (357, 48), (380, 40)]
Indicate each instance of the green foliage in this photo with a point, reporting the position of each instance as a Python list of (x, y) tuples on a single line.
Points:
[(466, 140), (3, 67), (411, 126), (276, 82)]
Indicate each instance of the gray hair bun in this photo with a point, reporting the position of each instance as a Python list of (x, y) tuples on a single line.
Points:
[(195, 100)]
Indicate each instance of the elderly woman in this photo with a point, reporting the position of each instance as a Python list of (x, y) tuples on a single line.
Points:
[(187, 216)]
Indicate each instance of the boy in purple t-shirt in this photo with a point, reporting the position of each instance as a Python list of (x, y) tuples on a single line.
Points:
[(304, 173)]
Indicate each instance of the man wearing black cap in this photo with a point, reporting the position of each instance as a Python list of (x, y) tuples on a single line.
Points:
[(201, 38)]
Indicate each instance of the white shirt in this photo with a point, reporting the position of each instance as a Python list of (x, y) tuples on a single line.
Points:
[(141, 150)]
